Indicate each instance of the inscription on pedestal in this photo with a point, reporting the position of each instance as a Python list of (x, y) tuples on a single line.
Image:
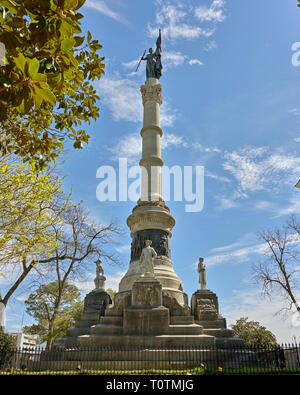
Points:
[(147, 293)]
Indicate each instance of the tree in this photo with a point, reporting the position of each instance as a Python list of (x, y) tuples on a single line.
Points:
[(253, 333), (42, 232), (7, 342), (111, 293), (45, 85), (53, 319), (279, 271), (79, 241), (30, 204)]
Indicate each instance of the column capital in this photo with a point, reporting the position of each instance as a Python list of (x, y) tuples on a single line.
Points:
[(151, 93)]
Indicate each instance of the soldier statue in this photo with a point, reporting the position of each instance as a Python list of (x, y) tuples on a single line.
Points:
[(146, 258), (202, 274)]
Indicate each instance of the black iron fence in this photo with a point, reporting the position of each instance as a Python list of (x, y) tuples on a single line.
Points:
[(229, 359)]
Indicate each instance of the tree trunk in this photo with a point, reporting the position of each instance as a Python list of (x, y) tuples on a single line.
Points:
[(2, 316)]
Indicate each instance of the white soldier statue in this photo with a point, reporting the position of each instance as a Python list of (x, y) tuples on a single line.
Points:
[(99, 268), (202, 274), (146, 258), (100, 279)]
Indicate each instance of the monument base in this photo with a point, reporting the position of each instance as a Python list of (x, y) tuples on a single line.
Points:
[(147, 316), (95, 304)]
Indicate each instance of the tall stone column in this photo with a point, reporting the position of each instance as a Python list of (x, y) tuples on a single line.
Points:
[(151, 218), (151, 162)]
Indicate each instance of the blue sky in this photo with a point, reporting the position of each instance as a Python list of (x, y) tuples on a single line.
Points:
[(231, 104)]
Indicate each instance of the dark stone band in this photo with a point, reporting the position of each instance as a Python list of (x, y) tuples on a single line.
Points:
[(160, 242)]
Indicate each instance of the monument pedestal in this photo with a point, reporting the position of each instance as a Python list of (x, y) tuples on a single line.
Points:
[(205, 309), (95, 304), (146, 316)]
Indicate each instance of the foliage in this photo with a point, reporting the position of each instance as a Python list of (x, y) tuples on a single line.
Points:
[(253, 333), (79, 240), (29, 204), (7, 342), (75, 240), (111, 293), (42, 305), (46, 89)]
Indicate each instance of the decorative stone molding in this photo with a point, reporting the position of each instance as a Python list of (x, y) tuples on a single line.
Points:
[(159, 202), (151, 127), (150, 217), (151, 93), (152, 159)]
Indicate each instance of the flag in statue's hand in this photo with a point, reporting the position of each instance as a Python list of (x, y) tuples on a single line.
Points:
[(158, 41)]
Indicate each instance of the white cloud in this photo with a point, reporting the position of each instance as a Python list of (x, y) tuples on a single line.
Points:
[(123, 249), (173, 59), (132, 64), (250, 303), (239, 255), (294, 111), (122, 96), (170, 139), (176, 23), (214, 13), (216, 176), (240, 251), (210, 46), (263, 205), (112, 281), (292, 208), (297, 139), (130, 147), (258, 169), (101, 7), (168, 115), (195, 61)]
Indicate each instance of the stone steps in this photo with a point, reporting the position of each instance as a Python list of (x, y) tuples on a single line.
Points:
[(182, 320), (219, 323), (96, 340), (218, 332), (191, 329), (111, 320), (78, 331), (85, 323), (106, 329)]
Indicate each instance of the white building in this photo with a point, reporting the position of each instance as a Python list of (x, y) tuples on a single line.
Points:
[(24, 340)]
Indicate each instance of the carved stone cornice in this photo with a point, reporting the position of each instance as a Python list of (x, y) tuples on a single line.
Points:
[(151, 93), (150, 217)]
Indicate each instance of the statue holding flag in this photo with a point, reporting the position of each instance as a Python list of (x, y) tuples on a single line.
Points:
[(154, 66)]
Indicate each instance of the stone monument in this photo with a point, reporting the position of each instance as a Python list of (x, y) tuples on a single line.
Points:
[(95, 304), (151, 307)]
